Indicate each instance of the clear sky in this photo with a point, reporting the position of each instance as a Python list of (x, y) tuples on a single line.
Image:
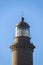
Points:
[(10, 13)]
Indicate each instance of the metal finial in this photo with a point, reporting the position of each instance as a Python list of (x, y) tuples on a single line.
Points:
[(22, 19)]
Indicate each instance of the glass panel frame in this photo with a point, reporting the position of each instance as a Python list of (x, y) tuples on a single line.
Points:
[(21, 31)]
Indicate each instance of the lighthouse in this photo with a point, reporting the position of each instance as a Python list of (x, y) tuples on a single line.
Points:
[(22, 48)]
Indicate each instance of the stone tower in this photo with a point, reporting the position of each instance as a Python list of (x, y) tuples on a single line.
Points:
[(22, 48)]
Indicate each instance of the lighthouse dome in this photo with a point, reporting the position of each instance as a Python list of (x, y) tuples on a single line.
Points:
[(22, 23)]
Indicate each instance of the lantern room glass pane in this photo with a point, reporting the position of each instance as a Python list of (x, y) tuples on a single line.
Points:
[(26, 32), (22, 32)]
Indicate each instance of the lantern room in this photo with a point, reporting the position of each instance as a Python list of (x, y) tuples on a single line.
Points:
[(22, 29)]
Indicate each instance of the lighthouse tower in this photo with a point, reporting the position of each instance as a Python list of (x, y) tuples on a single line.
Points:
[(22, 48)]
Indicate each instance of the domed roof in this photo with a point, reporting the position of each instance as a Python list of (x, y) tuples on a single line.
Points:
[(22, 23)]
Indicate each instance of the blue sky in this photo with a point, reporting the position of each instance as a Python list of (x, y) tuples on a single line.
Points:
[(10, 14)]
